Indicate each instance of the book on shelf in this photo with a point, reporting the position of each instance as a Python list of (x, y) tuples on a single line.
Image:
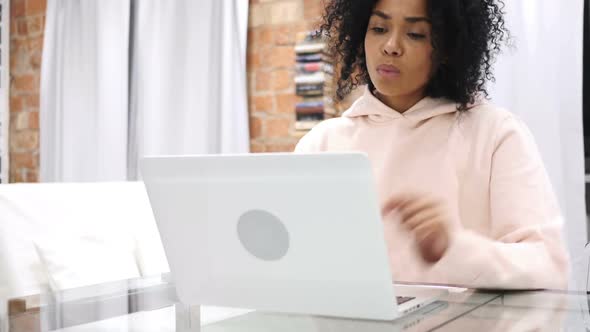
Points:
[(314, 78), (324, 106), (310, 48), (309, 89), (314, 67), (311, 117), (312, 57)]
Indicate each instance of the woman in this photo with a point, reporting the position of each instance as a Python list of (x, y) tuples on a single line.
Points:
[(465, 196)]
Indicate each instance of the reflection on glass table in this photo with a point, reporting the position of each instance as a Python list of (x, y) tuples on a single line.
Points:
[(151, 304)]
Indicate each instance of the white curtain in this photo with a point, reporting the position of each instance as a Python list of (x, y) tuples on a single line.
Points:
[(84, 91), (189, 78), (541, 81), (124, 79)]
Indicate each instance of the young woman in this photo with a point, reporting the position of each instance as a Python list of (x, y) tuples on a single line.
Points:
[(466, 199)]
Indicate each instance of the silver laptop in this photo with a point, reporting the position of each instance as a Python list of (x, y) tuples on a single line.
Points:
[(295, 233)]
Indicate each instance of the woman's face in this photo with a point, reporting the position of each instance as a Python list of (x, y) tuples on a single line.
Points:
[(398, 48)]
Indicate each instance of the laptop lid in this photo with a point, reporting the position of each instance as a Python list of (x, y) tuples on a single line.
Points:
[(298, 233)]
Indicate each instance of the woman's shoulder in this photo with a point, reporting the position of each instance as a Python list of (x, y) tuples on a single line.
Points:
[(490, 118), (488, 113), (333, 124), (315, 140), (497, 124)]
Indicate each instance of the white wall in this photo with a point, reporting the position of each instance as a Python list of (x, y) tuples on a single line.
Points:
[(541, 81)]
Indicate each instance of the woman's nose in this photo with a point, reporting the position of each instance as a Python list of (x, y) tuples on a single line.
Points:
[(393, 46)]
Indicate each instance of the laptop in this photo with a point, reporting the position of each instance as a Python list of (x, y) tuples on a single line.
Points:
[(292, 233)]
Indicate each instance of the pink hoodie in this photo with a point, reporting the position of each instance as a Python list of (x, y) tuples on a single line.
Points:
[(485, 164)]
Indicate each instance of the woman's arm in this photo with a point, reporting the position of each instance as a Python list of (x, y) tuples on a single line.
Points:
[(526, 249)]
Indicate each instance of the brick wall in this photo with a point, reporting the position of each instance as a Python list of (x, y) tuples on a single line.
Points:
[(27, 19), (273, 25)]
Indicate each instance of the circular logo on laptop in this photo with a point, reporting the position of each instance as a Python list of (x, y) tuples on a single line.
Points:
[(263, 235)]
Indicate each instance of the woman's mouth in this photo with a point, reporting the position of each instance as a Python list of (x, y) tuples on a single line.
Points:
[(388, 71)]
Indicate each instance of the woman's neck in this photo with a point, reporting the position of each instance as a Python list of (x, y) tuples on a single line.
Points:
[(400, 103)]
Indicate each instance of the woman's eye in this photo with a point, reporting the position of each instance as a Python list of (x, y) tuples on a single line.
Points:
[(416, 35), (378, 30)]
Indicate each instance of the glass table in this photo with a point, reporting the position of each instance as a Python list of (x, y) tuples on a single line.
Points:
[(151, 304)]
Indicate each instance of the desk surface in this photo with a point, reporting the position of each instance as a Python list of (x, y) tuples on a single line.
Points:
[(150, 304)]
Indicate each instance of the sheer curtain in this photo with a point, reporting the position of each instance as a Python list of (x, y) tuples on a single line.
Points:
[(540, 80), (84, 91), (189, 82), (126, 78)]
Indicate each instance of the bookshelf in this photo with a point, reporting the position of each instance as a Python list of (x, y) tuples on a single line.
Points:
[(313, 82), (4, 87)]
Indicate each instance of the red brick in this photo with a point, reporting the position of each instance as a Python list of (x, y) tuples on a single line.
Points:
[(25, 83), (35, 7), (251, 18), (303, 26), (16, 104), (19, 56), (36, 59), (280, 147), (312, 9), (286, 103), (35, 43), (21, 27), (262, 103), (282, 79), (311, 25), (256, 147), (280, 12), (251, 82), (34, 25), (263, 80), (34, 120), (31, 101), (13, 60), (278, 127), (17, 175), (252, 60), (264, 59), (36, 52), (255, 127), (17, 8), (265, 36), (12, 27), (26, 140), (32, 175), (284, 35), (23, 175), (20, 46), (281, 57), (24, 160), (252, 37)]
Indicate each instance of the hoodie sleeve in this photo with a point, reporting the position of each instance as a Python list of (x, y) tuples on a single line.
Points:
[(526, 249)]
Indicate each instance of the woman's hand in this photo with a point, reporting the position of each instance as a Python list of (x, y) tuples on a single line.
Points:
[(427, 218)]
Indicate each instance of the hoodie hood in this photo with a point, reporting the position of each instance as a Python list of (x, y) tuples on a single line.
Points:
[(370, 106)]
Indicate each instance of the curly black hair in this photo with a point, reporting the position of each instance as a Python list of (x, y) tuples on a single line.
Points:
[(467, 35)]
